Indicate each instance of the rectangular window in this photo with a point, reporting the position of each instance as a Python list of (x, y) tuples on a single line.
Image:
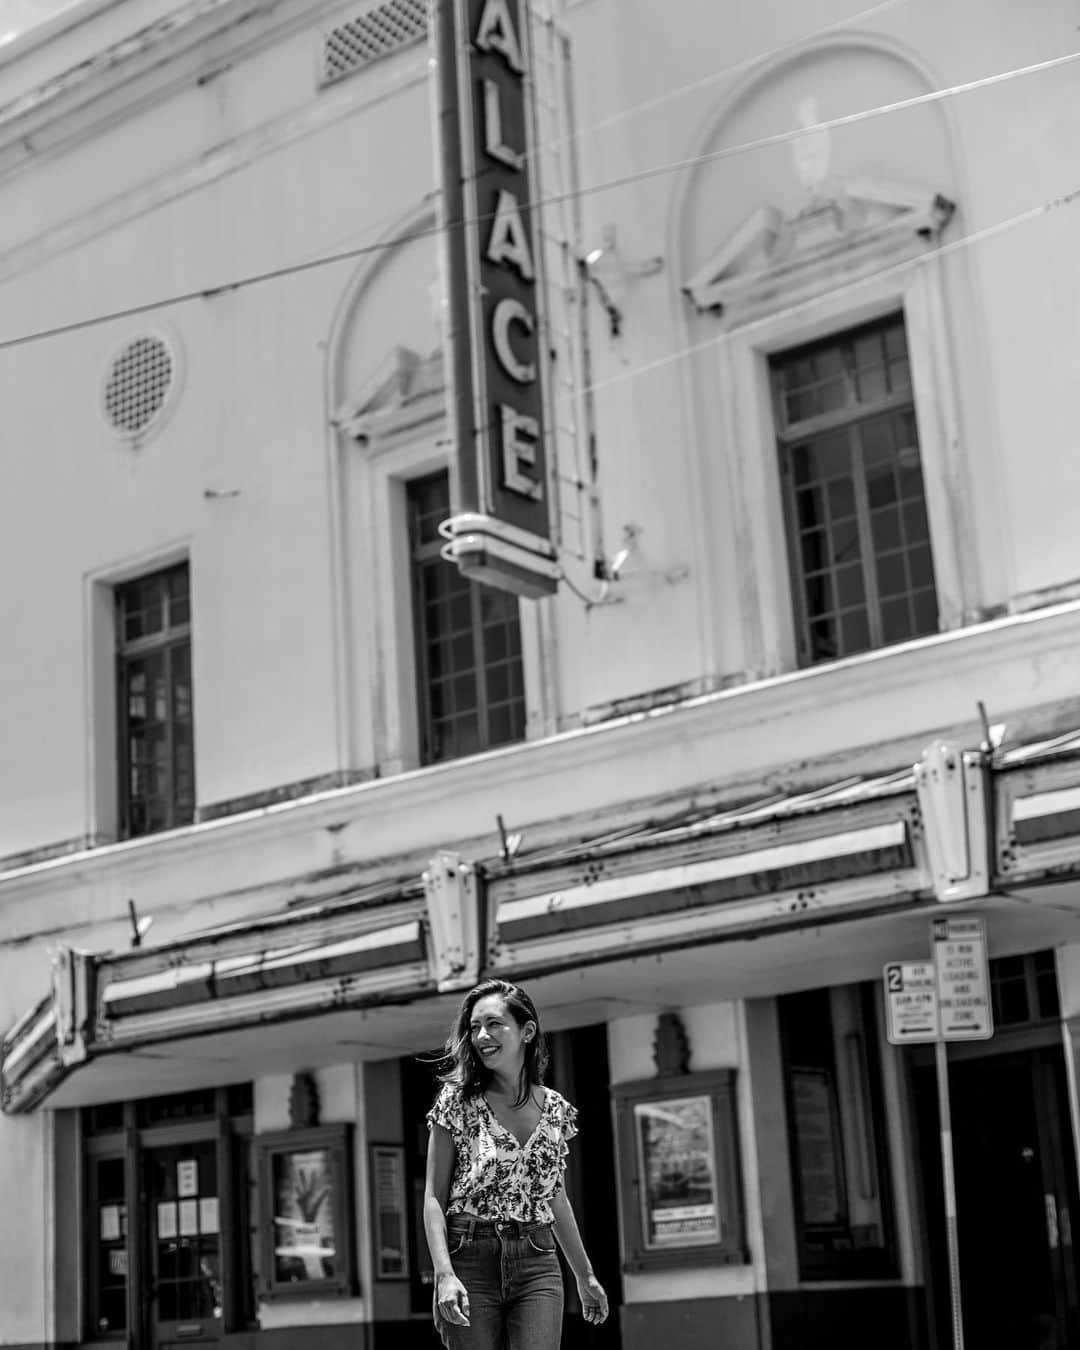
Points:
[(1024, 989), (836, 1133), (470, 678), (107, 1284), (157, 761), (854, 500)]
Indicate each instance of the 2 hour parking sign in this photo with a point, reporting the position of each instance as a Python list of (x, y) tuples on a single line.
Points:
[(911, 1002)]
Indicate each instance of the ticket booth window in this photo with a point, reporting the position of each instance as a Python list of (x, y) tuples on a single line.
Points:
[(837, 1135)]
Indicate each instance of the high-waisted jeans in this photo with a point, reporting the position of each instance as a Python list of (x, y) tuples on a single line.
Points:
[(514, 1279)]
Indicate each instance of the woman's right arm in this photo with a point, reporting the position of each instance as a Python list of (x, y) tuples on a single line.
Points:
[(450, 1293)]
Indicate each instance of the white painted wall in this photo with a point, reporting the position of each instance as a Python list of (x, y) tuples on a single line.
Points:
[(24, 1314), (230, 172), (229, 163), (255, 175)]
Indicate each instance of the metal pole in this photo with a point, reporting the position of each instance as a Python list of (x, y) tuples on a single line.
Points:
[(941, 1062)]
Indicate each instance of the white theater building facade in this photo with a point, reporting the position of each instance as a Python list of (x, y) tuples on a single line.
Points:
[(792, 667)]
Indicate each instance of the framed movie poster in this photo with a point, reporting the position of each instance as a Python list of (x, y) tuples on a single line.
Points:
[(679, 1168), (304, 1219), (676, 1167), (390, 1215)]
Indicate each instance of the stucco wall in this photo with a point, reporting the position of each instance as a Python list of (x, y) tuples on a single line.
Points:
[(236, 167), (241, 167)]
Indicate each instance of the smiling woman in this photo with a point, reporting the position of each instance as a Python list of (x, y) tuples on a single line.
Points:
[(20, 16), (494, 1202)]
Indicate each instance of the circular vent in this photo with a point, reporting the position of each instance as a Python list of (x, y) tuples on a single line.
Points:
[(137, 385)]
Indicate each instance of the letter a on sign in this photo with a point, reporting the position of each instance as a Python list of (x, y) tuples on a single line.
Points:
[(508, 241), (495, 33)]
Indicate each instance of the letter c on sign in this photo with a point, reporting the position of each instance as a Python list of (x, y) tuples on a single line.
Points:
[(507, 312)]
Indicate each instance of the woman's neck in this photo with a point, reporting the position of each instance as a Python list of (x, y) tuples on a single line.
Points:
[(511, 1087)]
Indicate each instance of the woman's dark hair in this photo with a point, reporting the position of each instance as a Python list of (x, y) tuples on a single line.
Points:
[(462, 1066)]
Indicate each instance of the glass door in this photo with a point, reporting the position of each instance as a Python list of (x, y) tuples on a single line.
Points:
[(186, 1295)]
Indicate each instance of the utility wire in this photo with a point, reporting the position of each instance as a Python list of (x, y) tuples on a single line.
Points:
[(623, 180), (789, 311), (740, 332), (857, 283), (827, 124), (795, 44)]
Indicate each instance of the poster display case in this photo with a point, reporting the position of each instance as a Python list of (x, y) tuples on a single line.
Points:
[(679, 1165), (305, 1229)]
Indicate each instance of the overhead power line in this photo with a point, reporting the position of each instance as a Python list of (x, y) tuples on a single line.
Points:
[(858, 283), (793, 46), (749, 326), (212, 290)]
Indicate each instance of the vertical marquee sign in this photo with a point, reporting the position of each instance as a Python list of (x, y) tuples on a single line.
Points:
[(500, 530)]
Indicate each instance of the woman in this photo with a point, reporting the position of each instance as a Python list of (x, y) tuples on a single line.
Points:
[(494, 1203)]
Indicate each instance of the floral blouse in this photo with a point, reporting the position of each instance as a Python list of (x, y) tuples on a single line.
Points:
[(495, 1177)]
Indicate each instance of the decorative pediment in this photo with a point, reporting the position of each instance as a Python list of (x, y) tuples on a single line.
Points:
[(405, 383), (773, 260)]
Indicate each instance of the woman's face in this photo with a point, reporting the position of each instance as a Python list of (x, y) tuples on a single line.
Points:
[(496, 1038)]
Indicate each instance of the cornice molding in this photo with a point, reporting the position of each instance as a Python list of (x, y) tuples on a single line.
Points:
[(909, 693), (158, 44), (840, 234), (197, 40), (41, 34), (406, 391), (344, 100)]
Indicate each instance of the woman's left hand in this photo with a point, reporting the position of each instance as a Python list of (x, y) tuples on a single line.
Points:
[(594, 1302)]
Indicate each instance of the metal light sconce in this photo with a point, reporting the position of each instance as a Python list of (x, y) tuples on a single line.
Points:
[(614, 313), (609, 273)]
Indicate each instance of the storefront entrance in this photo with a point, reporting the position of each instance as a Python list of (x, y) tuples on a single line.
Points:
[(1016, 1198), (168, 1249), (185, 1291)]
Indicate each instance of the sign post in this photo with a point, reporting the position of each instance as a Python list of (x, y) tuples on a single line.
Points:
[(963, 992), (948, 1176), (946, 999)]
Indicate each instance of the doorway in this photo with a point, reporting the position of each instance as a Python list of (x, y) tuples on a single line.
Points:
[(581, 1072), (1016, 1194), (185, 1291), (169, 1242)]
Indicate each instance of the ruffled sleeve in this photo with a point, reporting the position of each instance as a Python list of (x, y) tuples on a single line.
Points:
[(566, 1116), (447, 1111)]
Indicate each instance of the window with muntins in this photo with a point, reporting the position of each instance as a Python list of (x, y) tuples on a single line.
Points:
[(470, 677), (854, 501), (836, 1131), (1024, 989), (169, 1248), (157, 758)]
